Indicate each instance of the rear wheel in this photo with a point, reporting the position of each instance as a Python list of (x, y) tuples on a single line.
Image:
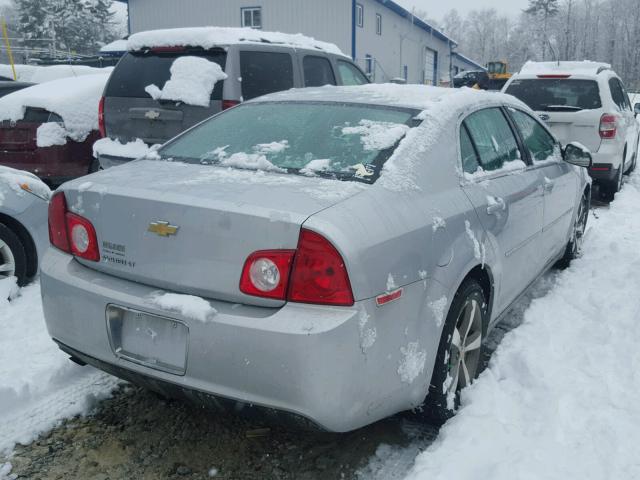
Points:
[(460, 353), (13, 258), (609, 189), (574, 247)]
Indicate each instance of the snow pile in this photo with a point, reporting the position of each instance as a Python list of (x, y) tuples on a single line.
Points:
[(50, 134), (115, 46), (318, 165), (209, 37), (513, 166), (113, 148), (39, 386), (192, 81), (377, 135), (585, 67), (40, 74), (249, 161), (560, 398), (75, 100), (18, 181), (189, 306)]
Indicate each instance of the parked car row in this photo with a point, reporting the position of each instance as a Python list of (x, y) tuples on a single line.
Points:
[(321, 222)]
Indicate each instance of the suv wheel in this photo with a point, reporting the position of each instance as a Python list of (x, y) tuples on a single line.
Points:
[(13, 259), (460, 353)]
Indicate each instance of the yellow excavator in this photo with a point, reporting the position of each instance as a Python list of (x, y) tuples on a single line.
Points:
[(498, 74)]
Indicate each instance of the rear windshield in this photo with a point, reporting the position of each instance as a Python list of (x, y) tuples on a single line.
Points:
[(554, 95), (331, 140), (137, 70)]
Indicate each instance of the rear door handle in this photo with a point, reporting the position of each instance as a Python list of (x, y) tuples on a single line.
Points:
[(548, 184), (496, 204)]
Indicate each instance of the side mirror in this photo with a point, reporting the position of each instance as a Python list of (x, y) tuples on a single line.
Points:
[(576, 154), (636, 109)]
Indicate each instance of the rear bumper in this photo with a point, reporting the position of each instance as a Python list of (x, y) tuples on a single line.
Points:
[(303, 359), (606, 161), (108, 161)]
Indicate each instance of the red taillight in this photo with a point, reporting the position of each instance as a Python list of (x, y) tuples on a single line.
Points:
[(554, 76), (319, 274), (101, 127), (229, 103), (58, 223), (608, 126), (266, 274), (314, 273), (71, 233)]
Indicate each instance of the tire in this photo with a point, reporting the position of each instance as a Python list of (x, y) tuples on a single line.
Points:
[(633, 164), (13, 257), (449, 377), (609, 189), (574, 247)]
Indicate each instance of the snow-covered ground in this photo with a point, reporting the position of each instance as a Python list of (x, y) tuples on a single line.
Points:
[(39, 386), (559, 399)]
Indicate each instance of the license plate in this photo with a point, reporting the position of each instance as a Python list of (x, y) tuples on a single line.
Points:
[(151, 340)]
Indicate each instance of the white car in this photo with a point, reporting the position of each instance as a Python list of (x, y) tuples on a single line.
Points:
[(584, 102)]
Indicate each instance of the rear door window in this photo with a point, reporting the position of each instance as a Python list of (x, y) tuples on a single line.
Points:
[(557, 95), (137, 70), (265, 72), (540, 144), (470, 163), (618, 94), (350, 74), (493, 138), (317, 71)]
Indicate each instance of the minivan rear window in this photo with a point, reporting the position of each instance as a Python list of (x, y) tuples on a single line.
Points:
[(265, 72), (137, 70), (557, 95)]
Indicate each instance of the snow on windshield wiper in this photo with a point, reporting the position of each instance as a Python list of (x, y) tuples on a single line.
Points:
[(560, 107)]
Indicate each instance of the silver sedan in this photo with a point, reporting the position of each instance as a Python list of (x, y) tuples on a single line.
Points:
[(337, 253), (23, 223)]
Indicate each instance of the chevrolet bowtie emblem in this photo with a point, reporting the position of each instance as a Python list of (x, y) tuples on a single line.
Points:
[(162, 228), (152, 114)]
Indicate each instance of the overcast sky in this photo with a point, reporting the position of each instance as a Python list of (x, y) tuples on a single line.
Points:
[(438, 8)]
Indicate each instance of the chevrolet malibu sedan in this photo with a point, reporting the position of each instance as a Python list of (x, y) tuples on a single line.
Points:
[(337, 253)]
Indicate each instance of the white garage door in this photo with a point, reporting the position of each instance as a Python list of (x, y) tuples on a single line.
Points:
[(430, 67)]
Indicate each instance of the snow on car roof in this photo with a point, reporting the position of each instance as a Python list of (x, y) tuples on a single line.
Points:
[(75, 100), (209, 37), (40, 74), (572, 68), (418, 97), (115, 46)]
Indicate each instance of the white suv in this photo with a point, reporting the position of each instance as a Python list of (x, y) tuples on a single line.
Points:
[(584, 102)]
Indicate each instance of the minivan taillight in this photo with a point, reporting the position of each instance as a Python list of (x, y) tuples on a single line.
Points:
[(314, 273), (70, 232), (608, 126), (226, 104), (101, 127)]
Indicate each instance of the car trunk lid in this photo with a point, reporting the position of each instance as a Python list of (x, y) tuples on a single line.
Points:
[(190, 228)]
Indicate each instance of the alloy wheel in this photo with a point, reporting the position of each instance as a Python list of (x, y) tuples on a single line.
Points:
[(579, 228), (7, 260), (464, 355)]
